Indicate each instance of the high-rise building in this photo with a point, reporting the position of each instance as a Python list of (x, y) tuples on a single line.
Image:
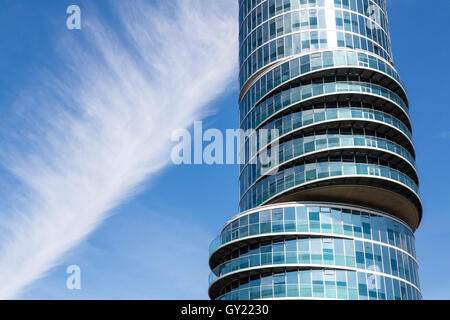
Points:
[(334, 217)]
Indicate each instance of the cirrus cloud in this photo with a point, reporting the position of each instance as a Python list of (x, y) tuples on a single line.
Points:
[(103, 124)]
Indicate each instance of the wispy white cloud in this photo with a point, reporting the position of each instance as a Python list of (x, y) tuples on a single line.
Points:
[(103, 126)]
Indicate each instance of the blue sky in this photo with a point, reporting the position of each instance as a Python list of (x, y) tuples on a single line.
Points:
[(155, 242)]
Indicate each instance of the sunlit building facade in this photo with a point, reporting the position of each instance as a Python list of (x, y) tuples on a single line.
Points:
[(334, 217)]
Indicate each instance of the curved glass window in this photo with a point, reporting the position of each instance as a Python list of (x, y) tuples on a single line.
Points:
[(295, 95), (253, 12), (318, 219), (302, 174), (317, 77), (321, 252), (295, 148), (325, 112), (302, 65), (297, 43), (312, 19), (326, 284)]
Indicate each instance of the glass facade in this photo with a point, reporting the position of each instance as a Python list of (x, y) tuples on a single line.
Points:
[(334, 215), (295, 68), (320, 87), (276, 29), (321, 284)]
